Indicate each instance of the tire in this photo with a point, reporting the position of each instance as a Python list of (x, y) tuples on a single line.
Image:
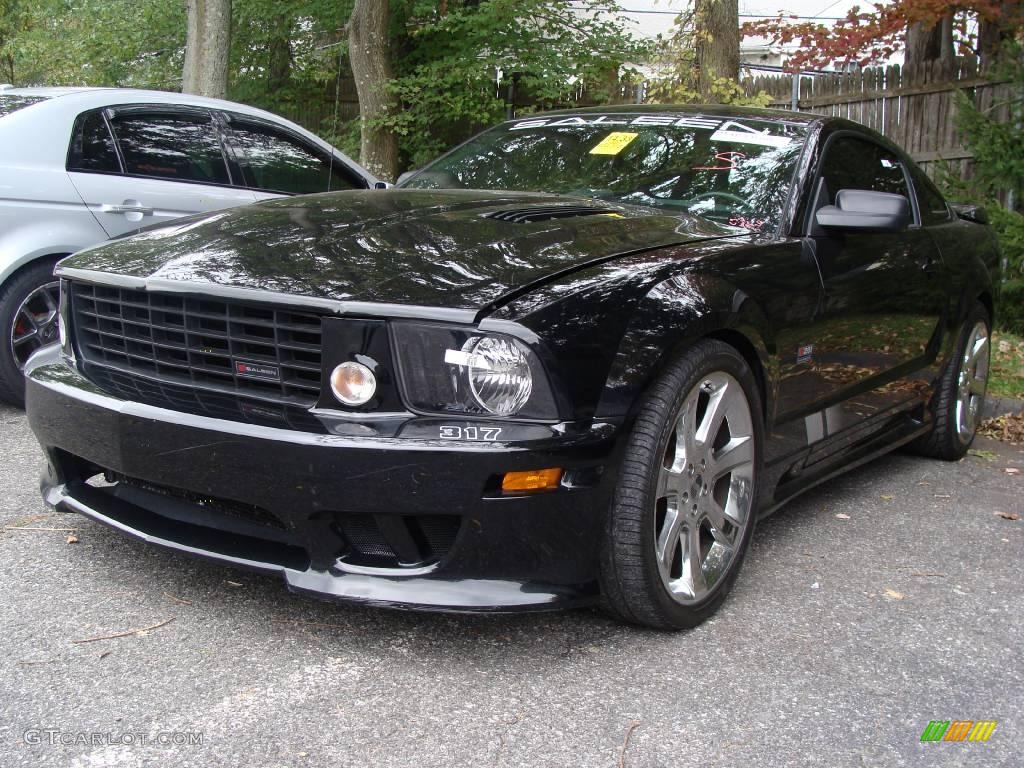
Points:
[(956, 412), (666, 506), (18, 317)]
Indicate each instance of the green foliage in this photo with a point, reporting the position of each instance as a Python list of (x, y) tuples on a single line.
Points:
[(676, 82), (132, 43), (998, 176), (449, 55)]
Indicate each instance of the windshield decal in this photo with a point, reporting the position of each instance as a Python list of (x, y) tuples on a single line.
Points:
[(725, 130), (613, 143), (744, 134)]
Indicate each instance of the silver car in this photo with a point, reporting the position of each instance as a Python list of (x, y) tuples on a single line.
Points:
[(81, 165)]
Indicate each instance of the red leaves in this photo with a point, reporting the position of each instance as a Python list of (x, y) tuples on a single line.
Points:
[(861, 37)]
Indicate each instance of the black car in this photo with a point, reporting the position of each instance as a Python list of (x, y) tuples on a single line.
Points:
[(572, 361)]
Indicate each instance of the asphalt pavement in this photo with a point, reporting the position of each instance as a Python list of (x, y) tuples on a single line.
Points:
[(886, 599)]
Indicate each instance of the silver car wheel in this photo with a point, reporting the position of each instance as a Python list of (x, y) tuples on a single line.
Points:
[(705, 486), (36, 322), (972, 382)]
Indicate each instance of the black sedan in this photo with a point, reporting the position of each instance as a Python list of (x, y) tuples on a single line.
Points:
[(571, 362)]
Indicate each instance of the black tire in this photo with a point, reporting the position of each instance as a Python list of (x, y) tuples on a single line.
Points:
[(945, 441), (12, 294), (632, 587)]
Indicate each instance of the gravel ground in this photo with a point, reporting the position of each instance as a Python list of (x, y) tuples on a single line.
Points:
[(886, 599)]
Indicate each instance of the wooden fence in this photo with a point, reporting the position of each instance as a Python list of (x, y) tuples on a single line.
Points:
[(918, 113)]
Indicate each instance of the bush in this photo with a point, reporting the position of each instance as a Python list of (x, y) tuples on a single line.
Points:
[(1009, 227)]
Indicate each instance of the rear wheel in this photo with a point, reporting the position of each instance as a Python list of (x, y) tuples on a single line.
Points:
[(960, 392), (29, 307), (684, 510)]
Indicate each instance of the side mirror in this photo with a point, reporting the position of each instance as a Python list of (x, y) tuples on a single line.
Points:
[(970, 212), (382, 185), (405, 177), (865, 210)]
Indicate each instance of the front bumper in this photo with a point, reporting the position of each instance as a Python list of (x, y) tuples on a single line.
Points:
[(181, 479)]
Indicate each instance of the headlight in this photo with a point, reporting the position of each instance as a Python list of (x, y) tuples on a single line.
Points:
[(454, 370), (499, 374)]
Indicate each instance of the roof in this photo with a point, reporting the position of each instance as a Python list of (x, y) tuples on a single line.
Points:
[(717, 110)]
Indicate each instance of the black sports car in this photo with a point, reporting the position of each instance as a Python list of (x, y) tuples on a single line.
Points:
[(572, 361)]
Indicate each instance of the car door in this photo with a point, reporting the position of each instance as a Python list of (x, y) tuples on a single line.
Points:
[(879, 327), (275, 161), (140, 165)]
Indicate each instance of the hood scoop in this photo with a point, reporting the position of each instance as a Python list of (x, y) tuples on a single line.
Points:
[(547, 213)]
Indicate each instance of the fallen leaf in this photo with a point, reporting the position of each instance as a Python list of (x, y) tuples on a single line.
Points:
[(887, 497), (1012, 471), (72, 539), (815, 585), (234, 583), (1007, 515), (841, 516), (987, 455), (892, 594)]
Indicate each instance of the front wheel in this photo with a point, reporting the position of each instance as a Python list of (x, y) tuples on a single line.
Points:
[(684, 509)]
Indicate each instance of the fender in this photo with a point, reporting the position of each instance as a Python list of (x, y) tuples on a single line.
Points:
[(675, 314)]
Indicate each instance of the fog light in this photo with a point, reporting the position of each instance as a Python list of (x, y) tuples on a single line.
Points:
[(353, 383), (532, 480)]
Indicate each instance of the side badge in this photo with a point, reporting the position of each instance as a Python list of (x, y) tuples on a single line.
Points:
[(804, 354)]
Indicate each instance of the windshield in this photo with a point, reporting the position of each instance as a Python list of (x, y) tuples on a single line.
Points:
[(12, 103), (735, 171)]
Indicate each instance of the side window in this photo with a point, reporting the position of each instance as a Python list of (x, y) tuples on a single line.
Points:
[(852, 163), (92, 146), (179, 147), (273, 161), (929, 199)]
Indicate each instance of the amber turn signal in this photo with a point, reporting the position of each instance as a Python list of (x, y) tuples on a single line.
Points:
[(531, 480)]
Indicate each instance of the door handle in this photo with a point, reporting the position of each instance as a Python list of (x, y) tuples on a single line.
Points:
[(111, 208)]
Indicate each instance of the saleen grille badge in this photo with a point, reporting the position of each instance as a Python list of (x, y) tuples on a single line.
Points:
[(260, 371)]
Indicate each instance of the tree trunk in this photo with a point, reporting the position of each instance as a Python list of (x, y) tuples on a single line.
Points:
[(928, 45), (992, 34), (717, 32), (370, 57), (279, 69), (207, 48)]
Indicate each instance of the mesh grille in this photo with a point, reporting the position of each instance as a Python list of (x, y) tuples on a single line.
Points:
[(264, 353)]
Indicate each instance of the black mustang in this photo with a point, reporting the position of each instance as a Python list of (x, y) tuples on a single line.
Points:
[(571, 361)]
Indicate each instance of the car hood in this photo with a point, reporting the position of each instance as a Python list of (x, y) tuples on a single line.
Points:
[(453, 249)]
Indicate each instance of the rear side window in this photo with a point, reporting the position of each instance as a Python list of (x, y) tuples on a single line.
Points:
[(92, 146), (12, 103), (179, 147), (852, 163), (274, 161)]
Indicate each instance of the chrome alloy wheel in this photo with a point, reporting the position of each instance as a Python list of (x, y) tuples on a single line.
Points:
[(36, 322), (972, 382), (705, 487)]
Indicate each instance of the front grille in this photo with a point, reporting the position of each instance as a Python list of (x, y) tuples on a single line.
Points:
[(217, 405), (205, 343)]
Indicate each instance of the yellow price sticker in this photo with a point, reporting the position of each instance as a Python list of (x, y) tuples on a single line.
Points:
[(613, 143)]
